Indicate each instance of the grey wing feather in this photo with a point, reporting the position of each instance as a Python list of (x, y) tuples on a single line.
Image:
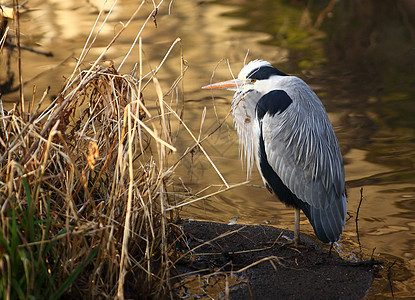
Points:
[(302, 149)]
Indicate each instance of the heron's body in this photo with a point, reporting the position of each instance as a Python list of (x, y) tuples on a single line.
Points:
[(283, 126)]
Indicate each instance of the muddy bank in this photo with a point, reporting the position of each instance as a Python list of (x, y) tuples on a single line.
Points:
[(264, 265)]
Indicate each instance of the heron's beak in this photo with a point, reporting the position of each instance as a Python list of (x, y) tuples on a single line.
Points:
[(231, 85)]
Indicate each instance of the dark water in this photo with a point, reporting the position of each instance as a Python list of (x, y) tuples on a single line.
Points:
[(359, 56)]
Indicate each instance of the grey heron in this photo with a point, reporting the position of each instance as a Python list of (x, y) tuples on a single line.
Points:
[(284, 128)]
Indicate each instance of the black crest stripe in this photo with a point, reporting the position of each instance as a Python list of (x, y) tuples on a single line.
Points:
[(264, 72)]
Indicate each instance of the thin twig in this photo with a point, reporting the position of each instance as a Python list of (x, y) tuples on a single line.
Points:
[(390, 278), (357, 219), (16, 14)]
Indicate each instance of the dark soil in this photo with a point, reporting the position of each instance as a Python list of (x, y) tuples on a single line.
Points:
[(286, 272)]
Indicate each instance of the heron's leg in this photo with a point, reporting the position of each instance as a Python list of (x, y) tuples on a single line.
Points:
[(331, 247), (297, 226)]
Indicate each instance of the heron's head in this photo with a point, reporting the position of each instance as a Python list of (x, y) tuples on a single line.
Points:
[(256, 75)]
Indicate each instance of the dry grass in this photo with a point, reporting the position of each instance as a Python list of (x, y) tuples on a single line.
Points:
[(85, 197), (87, 200), (85, 208)]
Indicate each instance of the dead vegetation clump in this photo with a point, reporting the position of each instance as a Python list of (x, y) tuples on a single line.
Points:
[(83, 193), (85, 208)]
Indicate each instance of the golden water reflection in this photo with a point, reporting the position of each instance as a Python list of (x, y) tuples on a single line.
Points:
[(371, 112)]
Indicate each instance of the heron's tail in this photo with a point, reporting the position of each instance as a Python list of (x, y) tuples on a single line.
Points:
[(328, 222)]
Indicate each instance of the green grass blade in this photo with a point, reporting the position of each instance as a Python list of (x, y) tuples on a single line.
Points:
[(53, 242), (14, 240), (75, 274), (17, 288), (29, 217), (5, 244)]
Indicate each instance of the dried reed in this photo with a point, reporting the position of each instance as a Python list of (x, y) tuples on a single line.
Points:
[(86, 202), (84, 188), (82, 203)]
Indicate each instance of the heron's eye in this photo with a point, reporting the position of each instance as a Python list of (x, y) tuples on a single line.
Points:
[(252, 80)]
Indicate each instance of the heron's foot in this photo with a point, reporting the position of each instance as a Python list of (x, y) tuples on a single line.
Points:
[(331, 248), (293, 242), (297, 240)]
